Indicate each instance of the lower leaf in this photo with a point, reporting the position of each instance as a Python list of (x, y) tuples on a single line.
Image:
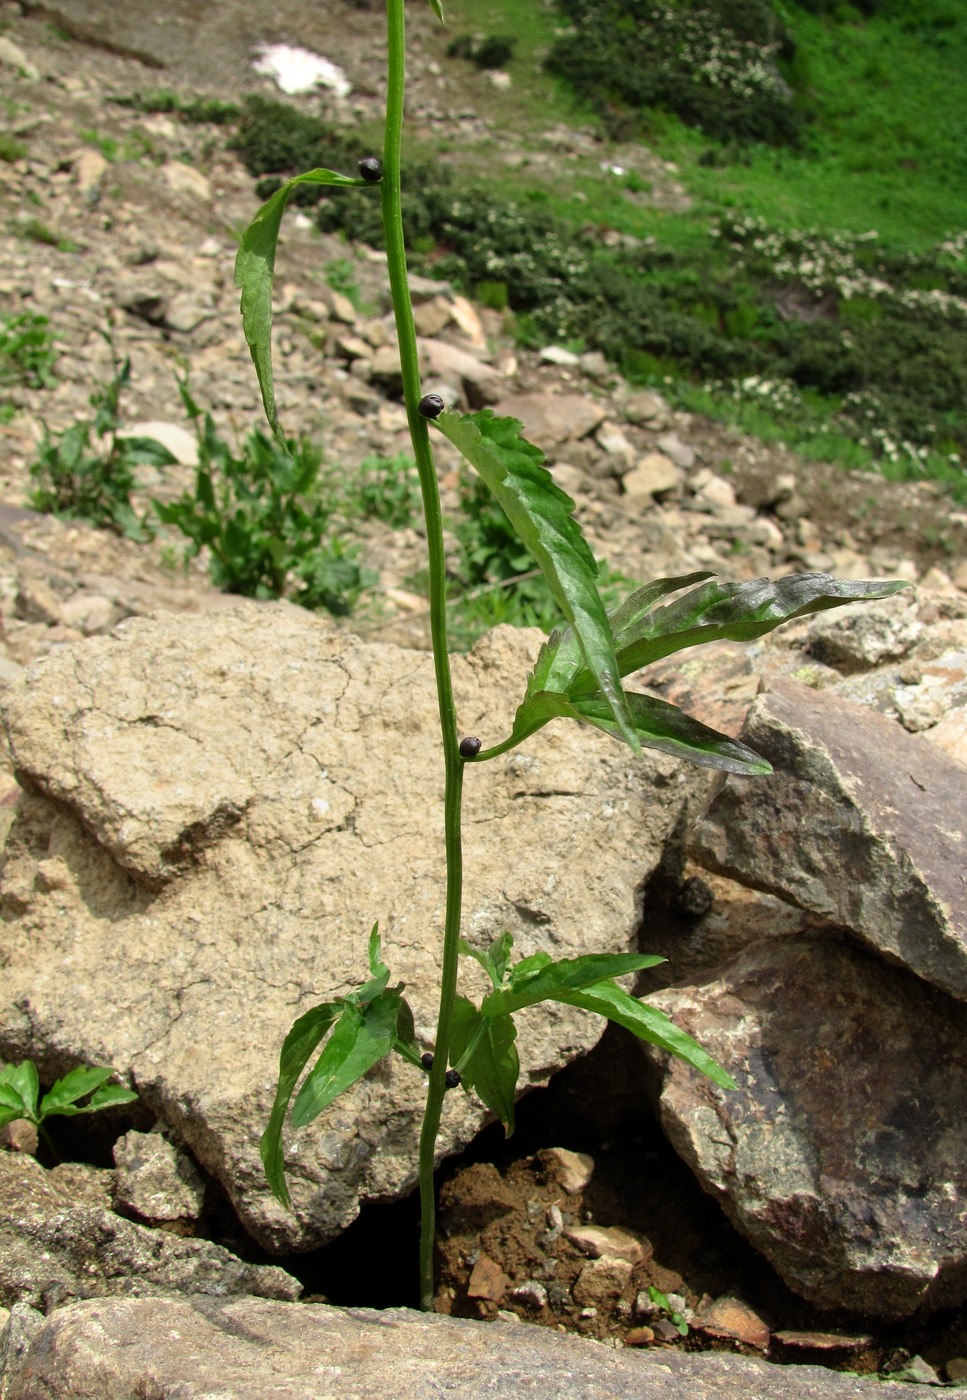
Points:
[(482, 1048), (297, 1048)]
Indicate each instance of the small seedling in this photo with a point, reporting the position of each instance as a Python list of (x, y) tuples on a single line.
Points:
[(578, 675), (20, 1092)]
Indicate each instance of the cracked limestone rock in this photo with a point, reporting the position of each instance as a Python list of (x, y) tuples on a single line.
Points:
[(216, 810)]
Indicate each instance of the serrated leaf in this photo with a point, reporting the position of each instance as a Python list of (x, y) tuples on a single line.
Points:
[(565, 975), (559, 659), (297, 1049), (360, 1038), (658, 725), (73, 1086), (483, 1050), (254, 274), (19, 1088), (376, 965), (494, 959), (540, 513), (737, 612), (648, 1023)]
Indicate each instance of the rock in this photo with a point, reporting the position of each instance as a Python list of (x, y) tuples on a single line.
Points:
[(647, 407), (593, 363), (530, 1294), (19, 1136), (245, 1348), (551, 419), (860, 823), (184, 179), (610, 1242), (51, 1245), (17, 1332), (655, 475), (182, 444), (464, 314), (431, 316), (824, 1343), (155, 1181), (572, 1170), (557, 355), (13, 56), (487, 1280), (841, 1155), (612, 440), (481, 382), (863, 635), (714, 491), (89, 167), (733, 1318), (680, 453), (221, 795)]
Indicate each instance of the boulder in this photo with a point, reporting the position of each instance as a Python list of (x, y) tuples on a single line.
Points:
[(246, 1349), (842, 1155), (216, 810), (56, 1246), (551, 419), (861, 823)]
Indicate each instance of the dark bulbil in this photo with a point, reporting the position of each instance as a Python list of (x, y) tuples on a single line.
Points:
[(452, 1078), (470, 746), (431, 405), (371, 169)]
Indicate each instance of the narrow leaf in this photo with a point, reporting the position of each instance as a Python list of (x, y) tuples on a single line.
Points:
[(658, 725), (483, 1050), (437, 9), (406, 1043), (72, 1087), (376, 965), (738, 612), (648, 1023), (567, 975), (540, 512), (254, 273), (297, 1049), (361, 1037), (494, 959)]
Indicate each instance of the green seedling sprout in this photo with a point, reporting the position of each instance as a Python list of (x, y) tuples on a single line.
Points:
[(20, 1092), (578, 675)]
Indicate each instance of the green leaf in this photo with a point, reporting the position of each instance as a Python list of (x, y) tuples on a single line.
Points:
[(254, 273), (483, 1050), (540, 513), (360, 1038), (108, 1096), (376, 965), (559, 659), (648, 1023), (738, 612), (19, 1088), (73, 1086), (566, 975), (297, 1048), (437, 9), (494, 959), (406, 1043), (658, 725)]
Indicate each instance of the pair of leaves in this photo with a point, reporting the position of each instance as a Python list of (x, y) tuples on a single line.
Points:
[(564, 684), (366, 1025), (482, 1045), (20, 1091)]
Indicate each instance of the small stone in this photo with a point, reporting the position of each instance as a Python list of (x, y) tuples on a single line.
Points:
[(183, 179), (156, 1182), (647, 407), (342, 308), (557, 355), (89, 167), (611, 1242), (830, 1342), (916, 1371), (595, 365), (639, 1337), (732, 1317), (531, 1294), (654, 475), (680, 453), (572, 1170), (431, 317), (612, 440), (13, 56), (488, 1280), (714, 490), (182, 444), (499, 79), (956, 1369), (19, 1136)]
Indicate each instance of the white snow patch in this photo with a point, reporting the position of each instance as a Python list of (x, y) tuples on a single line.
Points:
[(300, 70)]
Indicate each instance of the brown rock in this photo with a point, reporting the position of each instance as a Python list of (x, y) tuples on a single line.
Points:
[(732, 1317), (488, 1280), (550, 419)]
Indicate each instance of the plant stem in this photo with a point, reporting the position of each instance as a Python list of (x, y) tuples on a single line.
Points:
[(420, 436)]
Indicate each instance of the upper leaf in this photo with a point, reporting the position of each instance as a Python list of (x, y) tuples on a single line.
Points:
[(540, 512), (567, 975), (437, 9), (361, 1037), (19, 1088), (297, 1048), (254, 273), (483, 1050), (73, 1086), (738, 612)]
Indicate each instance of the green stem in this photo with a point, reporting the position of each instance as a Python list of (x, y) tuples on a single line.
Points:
[(420, 436)]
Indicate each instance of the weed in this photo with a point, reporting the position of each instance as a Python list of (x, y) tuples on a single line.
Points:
[(39, 232), (384, 488), (20, 1095), (27, 350), (263, 521), (206, 111), (88, 472)]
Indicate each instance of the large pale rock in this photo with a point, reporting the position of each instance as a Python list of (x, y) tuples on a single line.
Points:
[(842, 1156), (54, 1249), (552, 419), (861, 823), (217, 810), (248, 1349)]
